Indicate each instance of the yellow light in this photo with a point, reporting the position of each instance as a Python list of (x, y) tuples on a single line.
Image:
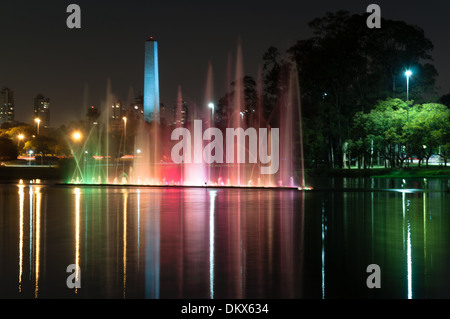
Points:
[(21, 137), (77, 136), (37, 121)]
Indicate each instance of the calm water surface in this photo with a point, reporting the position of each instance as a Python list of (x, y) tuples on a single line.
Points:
[(226, 243)]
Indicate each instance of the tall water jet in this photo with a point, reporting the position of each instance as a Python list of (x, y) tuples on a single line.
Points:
[(107, 108), (184, 169), (298, 101), (208, 106), (286, 132), (291, 164), (238, 113), (258, 121), (243, 120)]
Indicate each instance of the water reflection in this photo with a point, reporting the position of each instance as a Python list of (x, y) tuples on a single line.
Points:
[(77, 235), (125, 212), (216, 243), (34, 235), (21, 221), (212, 195)]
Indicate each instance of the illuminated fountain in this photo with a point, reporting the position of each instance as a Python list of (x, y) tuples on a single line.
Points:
[(196, 153)]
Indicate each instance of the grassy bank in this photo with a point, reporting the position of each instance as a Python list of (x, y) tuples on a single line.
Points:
[(412, 172)]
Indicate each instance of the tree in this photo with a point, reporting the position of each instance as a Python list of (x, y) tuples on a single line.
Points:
[(42, 144), (427, 130), (399, 134), (8, 150), (445, 99), (383, 127), (345, 68), (243, 98)]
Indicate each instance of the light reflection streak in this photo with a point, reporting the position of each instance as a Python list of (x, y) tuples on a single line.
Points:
[(152, 248), (77, 234), (409, 262), (425, 224), (31, 205), (21, 203), (138, 225), (125, 204), (212, 195), (408, 246), (241, 249), (38, 239)]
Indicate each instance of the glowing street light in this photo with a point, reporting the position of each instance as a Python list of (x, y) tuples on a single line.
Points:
[(76, 136), (20, 137), (38, 121), (30, 153), (124, 121), (408, 74)]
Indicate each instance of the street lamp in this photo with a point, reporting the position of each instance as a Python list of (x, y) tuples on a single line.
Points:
[(408, 74), (20, 137), (76, 136), (30, 153), (38, 121), (211, 106)]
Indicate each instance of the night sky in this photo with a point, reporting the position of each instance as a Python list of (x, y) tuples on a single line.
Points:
[(39, 54)]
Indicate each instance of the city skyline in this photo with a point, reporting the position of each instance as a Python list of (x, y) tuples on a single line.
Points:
[(73, 66)]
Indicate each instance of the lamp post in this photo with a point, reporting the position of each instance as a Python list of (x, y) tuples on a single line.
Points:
[(30, 152), (20, 137), (408, 73), (211, 106), (38, 121)]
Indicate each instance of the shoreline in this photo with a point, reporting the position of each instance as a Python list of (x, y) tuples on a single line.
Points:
[(411, 172), (10, 173)]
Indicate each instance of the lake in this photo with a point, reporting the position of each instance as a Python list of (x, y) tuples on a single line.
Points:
[(206, 243)]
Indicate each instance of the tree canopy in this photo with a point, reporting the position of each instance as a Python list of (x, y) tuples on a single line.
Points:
[(399, 133), (345, 68)]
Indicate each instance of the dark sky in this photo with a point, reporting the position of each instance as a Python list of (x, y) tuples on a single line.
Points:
[(39, 54)]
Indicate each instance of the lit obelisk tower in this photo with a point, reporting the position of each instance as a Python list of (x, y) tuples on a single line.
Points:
[(151, 81)]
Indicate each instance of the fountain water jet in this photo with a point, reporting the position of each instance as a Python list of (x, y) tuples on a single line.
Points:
[(151, 167)]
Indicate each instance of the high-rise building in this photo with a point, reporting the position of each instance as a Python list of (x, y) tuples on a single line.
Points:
[(42, 110), (136, 110), (6, 106), (151, 81), (181, 113), (92, 116), (117, 113)]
